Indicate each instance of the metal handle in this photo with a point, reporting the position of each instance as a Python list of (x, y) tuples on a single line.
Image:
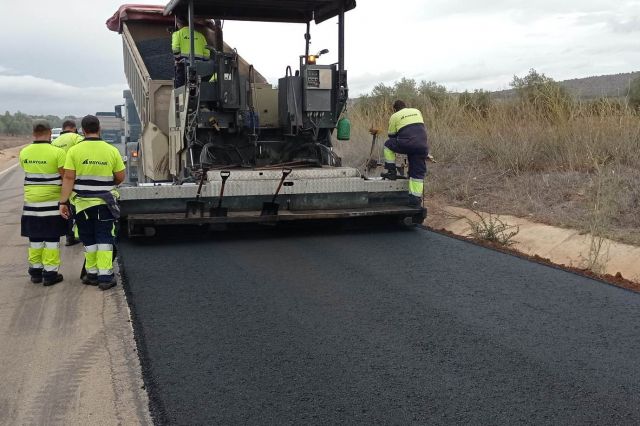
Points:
[(285, 172), (202, 178), (224, 174)]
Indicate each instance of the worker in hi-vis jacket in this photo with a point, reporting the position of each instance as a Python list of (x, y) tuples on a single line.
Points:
[(181, 48), (41, 223), (68, 138), (407, 135), (92, 170)]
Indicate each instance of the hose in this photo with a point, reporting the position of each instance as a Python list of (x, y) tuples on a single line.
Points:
[(289, 73)]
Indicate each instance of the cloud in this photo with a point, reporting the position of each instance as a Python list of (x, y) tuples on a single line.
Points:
[(5, 70), (625, 25), (522, 10), (462, 44), (363, 83), (36, 95)]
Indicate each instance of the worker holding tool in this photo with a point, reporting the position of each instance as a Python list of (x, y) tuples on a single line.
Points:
[(68, 138), (43, 167), (407, 135), (181, 48), (92, 171)]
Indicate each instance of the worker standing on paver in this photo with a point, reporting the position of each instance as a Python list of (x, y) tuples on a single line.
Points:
[(181, 48), (92, 171), (407, 135), (68, 138), (41, 223)]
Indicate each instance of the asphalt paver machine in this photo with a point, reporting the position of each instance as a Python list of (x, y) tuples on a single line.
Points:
[(228, 147)]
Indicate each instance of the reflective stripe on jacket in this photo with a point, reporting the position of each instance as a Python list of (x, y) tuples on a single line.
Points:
[(94, 162), (41, 162), (402, 118)]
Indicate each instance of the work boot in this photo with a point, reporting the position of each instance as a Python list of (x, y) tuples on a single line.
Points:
[(72, 241), (415, 201), (52, 279), (391, 174), (106, 285), (36, 275), (90, 279)]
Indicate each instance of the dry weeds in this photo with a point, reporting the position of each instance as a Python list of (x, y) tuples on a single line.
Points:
[(13, 141), (577, 168)]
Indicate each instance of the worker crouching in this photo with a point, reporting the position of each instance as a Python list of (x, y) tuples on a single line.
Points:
[(41, 223), (407, 135), (92, 171)]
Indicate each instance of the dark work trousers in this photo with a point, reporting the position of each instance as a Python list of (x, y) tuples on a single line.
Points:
[(181, 73), (97, 231), (70, 233), (416, 150)]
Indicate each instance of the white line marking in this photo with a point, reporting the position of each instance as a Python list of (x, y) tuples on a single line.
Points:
[(8, 169)]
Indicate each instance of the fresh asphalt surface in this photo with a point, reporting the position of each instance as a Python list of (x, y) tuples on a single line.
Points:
[(377, 327)]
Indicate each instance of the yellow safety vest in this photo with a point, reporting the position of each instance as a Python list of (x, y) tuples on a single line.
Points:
[(181, 44), (94, 161), (42, 181), (402, 118), (66, 140)]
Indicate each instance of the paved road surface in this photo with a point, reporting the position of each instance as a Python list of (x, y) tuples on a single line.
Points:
[(67, 354), (388, 327)]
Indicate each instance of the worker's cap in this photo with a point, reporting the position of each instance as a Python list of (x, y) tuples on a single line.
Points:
[(41, 126), (90, 124)]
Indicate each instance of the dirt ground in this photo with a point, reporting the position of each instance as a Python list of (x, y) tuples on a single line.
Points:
[(67, 354), (10, 148), (606, 204), (570, 248), (13, 141)]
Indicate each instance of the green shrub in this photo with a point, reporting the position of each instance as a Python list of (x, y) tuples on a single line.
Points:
[(551, 100)]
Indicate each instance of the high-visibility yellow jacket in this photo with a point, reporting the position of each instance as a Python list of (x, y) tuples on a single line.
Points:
[(94, 161), (66, 140), (402, 118), (181, 44), (42, 181)]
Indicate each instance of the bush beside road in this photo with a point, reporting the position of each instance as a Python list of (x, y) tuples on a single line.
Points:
[(544, 154)]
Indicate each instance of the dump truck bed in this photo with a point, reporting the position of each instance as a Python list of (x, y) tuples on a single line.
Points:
[(148, 60)]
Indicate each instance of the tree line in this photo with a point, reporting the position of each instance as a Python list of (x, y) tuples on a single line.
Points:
[(535, 89), (20, 124)]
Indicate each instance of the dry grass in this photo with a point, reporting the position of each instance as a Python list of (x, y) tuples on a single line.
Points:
[(13, 141), (571, 164)]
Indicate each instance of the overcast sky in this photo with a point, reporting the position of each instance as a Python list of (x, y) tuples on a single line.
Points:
[(59, 58)]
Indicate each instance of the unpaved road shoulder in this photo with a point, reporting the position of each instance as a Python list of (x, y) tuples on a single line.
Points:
[(8, 157), (67, 354)]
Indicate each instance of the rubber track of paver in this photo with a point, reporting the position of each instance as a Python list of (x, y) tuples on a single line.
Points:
[(389, 327)]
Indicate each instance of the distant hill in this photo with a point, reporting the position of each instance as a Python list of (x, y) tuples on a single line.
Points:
[(614, 86)]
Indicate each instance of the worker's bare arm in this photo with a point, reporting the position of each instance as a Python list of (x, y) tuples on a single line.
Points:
[(68, 180), (118, 177)]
